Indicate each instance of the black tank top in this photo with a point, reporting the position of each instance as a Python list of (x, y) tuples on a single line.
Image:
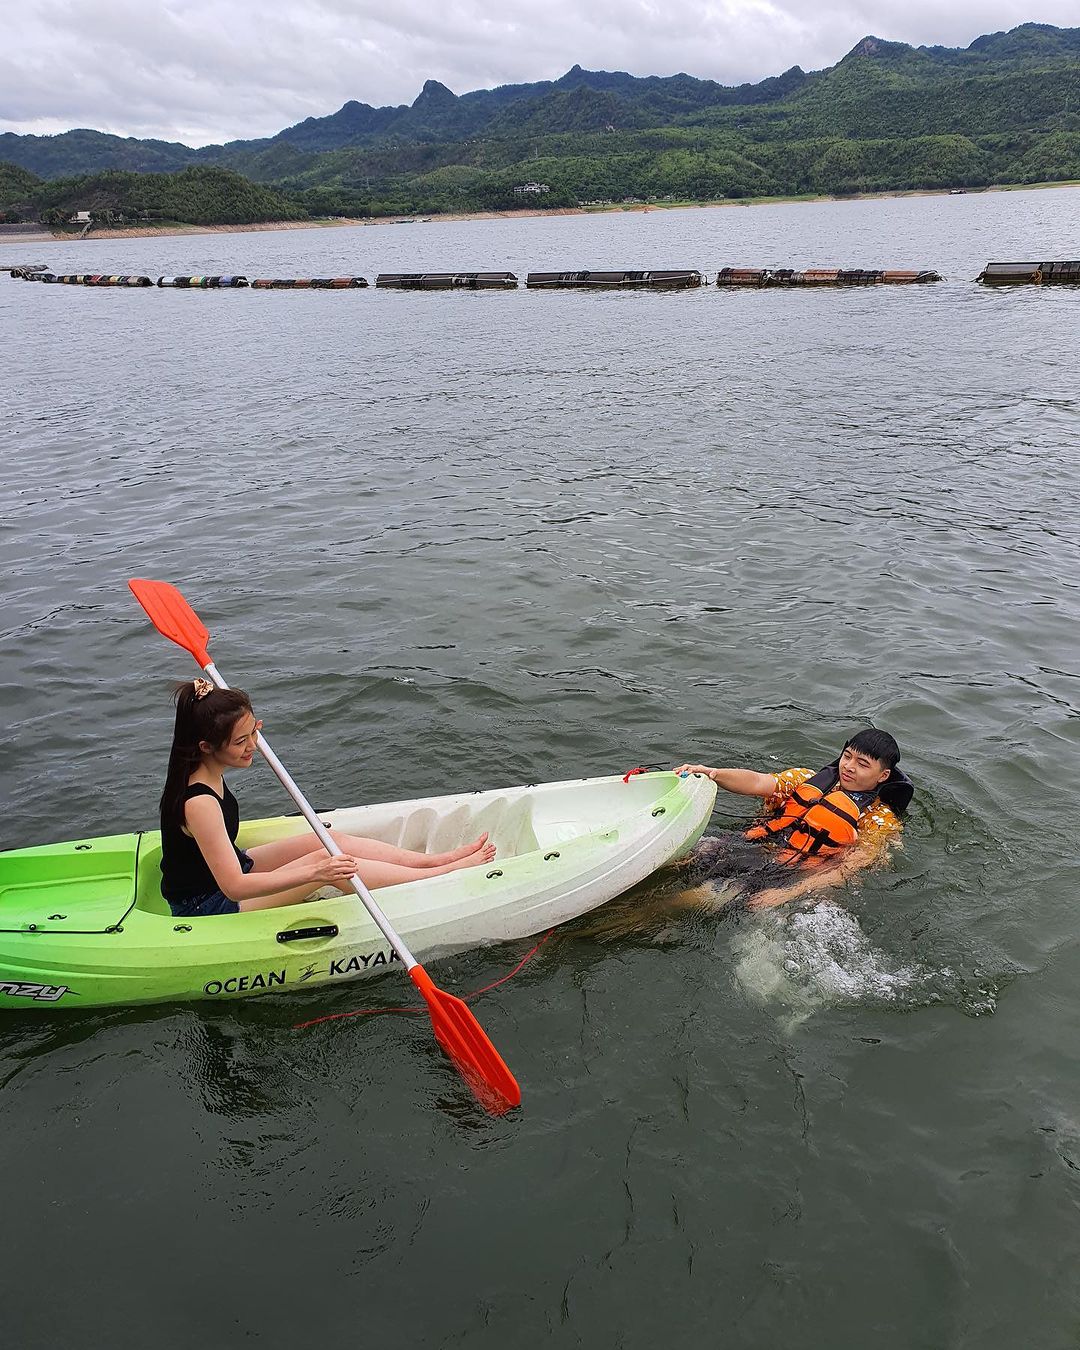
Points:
[(184, 872)]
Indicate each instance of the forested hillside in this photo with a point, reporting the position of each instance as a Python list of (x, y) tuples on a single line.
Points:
[(195, 196)]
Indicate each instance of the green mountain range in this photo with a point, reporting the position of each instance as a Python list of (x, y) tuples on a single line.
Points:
[(887, 116)]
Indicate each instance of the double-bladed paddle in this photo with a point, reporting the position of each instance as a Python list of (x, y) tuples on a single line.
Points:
[(456, 1029)]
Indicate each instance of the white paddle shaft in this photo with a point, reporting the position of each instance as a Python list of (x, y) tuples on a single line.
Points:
[(324, 835)]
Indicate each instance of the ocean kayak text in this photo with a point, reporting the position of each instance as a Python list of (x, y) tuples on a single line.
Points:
[(240, 984)]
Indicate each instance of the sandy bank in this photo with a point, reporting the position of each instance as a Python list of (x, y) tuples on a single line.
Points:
[(154, 231), (333, 223)]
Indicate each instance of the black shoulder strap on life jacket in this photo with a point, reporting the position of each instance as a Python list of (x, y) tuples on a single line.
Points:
[(897, 791), (827, 778)]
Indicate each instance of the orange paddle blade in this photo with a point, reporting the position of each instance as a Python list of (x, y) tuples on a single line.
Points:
[(172, 616), (467, 1045)]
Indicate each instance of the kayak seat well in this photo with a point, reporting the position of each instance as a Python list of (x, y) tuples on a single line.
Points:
[(595, 805), (85, 887)]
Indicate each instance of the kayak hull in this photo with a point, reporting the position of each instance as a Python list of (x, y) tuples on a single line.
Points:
[(83, 924)]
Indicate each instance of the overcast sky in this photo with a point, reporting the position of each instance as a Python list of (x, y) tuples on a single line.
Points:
[(199, 71)]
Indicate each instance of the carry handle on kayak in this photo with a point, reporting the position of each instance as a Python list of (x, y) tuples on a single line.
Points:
[(456, 1029)]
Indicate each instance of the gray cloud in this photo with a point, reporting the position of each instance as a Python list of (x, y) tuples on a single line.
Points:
[(211, 70)]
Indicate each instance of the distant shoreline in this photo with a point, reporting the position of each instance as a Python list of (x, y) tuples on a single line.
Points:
[(160, 231)]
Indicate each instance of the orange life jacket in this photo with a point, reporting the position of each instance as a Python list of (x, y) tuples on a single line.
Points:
[(812, 826)]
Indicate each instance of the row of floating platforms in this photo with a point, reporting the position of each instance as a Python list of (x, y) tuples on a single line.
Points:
[(671, 279), (675, 279), (400, 281)]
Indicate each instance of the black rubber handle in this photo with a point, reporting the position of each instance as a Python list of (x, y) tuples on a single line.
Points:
[(326, 930)]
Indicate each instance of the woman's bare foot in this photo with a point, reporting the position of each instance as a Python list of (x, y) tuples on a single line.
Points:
[(477, 858), (458, 854)]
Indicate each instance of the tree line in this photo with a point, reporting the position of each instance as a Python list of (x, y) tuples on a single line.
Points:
[(690, 167), (192, 196)]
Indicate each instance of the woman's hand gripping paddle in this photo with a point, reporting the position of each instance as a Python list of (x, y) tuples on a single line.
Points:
[(456, 1029)]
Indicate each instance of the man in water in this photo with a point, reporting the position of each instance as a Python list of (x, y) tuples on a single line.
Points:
[(819, 829)]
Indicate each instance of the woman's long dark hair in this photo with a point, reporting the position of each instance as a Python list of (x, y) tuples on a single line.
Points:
[(211, 719)]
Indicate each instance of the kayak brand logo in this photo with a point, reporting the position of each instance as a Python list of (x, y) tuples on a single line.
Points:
[(268, 979), (242, 984), (42, 993), (354, 963)]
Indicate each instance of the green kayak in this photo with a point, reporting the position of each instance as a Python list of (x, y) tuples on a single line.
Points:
[(84, 925)]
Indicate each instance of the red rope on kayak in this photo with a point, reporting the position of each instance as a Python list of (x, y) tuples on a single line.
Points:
[(467, 998)]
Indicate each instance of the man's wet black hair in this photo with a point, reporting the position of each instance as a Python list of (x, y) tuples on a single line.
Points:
[(878, 745)]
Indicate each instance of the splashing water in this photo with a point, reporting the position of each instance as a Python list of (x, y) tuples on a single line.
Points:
[(819, 958)]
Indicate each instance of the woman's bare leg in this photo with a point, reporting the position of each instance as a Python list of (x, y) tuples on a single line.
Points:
[(374, 875), (281, 851), (360, 847)]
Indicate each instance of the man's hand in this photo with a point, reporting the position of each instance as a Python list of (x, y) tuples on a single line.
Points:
[(695, 768), (745, 782)]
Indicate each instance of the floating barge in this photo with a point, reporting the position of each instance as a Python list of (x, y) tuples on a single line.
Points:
[(678, 279), (446, 281), (202, 283), (94, 279), (1005, 273), (117, 281), (26, 271), (308, 283), (823, 276)]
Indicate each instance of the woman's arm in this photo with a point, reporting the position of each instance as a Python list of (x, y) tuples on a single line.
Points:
[(204, 820), (745, 782)]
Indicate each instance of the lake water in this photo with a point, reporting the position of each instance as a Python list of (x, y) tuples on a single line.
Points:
[(470, 539)]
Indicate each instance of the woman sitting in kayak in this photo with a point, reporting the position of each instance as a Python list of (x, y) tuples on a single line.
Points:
[(202, 870)]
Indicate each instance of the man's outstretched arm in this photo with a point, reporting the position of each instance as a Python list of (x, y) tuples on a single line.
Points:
[(745, 782)]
